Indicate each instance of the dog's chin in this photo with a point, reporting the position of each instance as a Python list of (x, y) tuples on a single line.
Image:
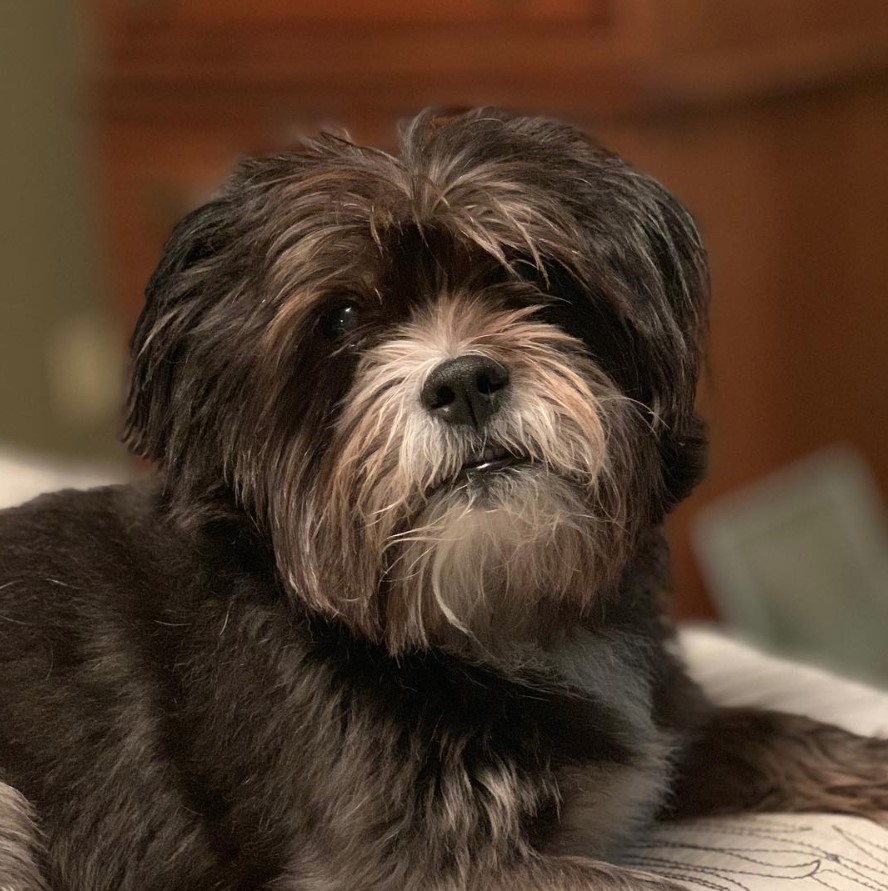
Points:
[(505, 500), (489, 546)]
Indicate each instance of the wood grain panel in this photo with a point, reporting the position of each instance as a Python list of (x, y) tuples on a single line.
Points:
[(224, 13)]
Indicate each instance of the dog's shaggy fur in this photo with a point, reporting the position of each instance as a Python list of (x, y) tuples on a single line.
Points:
[(391, 614)]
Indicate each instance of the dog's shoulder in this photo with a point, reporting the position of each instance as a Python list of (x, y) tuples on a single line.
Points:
[(72, 518), (81, 541), (81, 502)]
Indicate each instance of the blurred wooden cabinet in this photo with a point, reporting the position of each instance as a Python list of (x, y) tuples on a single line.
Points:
[(769, 118)]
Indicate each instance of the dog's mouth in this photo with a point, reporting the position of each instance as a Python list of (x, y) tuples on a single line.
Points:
[(482, 465), (490, 459)]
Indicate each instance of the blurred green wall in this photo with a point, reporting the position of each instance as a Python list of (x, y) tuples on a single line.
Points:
[(59, 374)]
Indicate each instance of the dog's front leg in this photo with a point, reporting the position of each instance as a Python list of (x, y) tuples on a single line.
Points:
[(521, 873), (566, 874), (752, 760)]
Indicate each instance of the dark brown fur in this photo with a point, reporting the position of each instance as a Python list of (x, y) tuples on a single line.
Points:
[(745, 760), (320, 650)]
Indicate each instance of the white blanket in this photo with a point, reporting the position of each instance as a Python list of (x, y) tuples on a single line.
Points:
[(767, 853)]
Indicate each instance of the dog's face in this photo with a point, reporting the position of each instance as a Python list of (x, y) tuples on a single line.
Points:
[(450, 387)]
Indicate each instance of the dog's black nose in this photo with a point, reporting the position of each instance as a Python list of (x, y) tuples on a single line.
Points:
[(468, 390)]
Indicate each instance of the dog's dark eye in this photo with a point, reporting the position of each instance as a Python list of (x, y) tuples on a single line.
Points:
[(342, 319)]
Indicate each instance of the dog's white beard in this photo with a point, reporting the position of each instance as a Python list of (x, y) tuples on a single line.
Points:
[(476, 568)]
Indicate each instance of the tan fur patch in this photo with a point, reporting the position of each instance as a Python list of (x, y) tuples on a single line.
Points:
[(19, 843)]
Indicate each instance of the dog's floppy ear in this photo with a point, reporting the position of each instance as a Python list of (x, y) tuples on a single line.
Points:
[(680, 314), (175, 300), (683, 460), (653, 264)]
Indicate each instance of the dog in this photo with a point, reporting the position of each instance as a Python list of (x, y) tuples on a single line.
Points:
[(392, 612)]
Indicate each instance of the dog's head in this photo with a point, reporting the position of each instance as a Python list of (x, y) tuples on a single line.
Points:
[(450, 387)]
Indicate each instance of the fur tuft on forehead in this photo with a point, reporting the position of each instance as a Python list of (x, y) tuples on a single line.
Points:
[(515, 239)]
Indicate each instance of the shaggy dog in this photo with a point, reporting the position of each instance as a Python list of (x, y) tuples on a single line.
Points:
[(391, 614)]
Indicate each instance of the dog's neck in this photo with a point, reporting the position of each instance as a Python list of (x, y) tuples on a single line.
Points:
[(512, 627), (550, 630)]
